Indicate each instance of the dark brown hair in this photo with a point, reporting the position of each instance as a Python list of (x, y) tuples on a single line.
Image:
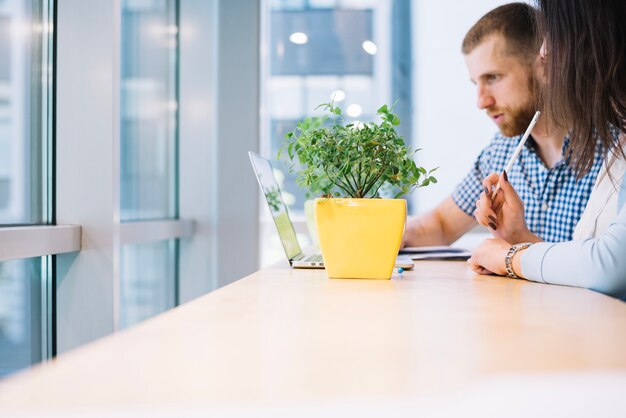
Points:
[(586, 72), (515, 22)]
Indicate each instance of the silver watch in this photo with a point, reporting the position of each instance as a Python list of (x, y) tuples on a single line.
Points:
[(508, 260)]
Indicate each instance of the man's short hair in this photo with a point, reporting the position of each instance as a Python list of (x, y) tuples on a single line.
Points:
[(515, 22)]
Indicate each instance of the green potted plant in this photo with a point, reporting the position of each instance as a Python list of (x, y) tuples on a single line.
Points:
[(348, 165)]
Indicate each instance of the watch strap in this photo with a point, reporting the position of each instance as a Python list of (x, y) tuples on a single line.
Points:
[(508, 260)]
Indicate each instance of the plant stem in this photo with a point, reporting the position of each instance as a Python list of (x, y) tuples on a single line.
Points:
[(368, 177), (380, 173), (337, 181), (356, 185), (346, 180)]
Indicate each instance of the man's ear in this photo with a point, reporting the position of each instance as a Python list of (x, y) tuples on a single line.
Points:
[(539, 68)]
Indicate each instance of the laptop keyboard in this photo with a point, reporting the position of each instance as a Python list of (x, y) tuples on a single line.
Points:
[(313, 258)]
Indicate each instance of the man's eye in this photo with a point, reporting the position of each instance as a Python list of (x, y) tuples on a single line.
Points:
[(492, 77)]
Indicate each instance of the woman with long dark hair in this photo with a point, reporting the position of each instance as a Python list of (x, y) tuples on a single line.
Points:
[(584, 54)]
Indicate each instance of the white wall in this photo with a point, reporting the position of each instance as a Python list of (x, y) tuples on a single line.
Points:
[(447, 124)]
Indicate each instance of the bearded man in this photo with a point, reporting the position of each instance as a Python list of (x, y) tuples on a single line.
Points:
[(501, 52)]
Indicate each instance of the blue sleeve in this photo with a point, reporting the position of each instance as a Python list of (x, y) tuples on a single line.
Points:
[(467, 192), (595, 263)]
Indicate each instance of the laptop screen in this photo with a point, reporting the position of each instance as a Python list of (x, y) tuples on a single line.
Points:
[(264, 174)]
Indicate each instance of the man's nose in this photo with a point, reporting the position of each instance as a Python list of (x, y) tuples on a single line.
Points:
[(485, 99)]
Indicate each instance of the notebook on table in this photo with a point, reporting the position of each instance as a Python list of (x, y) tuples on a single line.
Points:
[(438, 252)]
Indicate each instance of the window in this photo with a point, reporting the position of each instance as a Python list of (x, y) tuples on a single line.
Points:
[(25, 97), (25, 177), (148, 158), (24, 313), (149, 274), (148, 110)]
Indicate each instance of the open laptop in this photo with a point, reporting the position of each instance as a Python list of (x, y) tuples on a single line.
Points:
[(269, 186)]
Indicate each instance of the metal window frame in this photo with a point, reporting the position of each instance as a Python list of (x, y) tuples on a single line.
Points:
[(38, 241), (152, 231)]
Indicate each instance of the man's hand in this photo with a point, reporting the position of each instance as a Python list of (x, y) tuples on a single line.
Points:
[(503, 213), (441, 226)]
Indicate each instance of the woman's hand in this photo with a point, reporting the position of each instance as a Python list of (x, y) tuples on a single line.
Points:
[(488, 257), (503, 213)]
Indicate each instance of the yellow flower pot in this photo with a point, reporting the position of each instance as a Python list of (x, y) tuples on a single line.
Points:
[(360, 238)]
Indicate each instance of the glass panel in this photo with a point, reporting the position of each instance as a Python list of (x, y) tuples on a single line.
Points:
[(25, 94), (330, 42), (25, 175), (149, 109), (21, 325), (148, 280)]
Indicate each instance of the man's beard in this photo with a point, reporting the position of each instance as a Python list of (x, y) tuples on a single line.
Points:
[(518, 119)]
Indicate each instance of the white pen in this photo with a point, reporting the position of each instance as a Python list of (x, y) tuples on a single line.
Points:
[(517, 150)]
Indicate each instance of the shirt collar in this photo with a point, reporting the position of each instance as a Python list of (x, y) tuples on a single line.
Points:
[(531, 146)]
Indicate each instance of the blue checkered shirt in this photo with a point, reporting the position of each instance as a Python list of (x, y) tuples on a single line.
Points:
[(554, 199)]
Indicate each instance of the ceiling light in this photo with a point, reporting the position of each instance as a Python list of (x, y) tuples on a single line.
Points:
[(354, 110), (369, 47), (299, 38), (338, 96)]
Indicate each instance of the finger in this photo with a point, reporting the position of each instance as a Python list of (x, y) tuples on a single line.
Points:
[(476, 267), (485, 207), (498, 201), (480, 270), (484, 220), (472, 262), (485, 271), (489, 182), (485, 216), (507, 187)]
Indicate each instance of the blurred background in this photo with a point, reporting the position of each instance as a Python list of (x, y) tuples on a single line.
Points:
[(132, 118)]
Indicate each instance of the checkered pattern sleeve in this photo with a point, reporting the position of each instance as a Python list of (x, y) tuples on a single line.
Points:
[(467, 192)]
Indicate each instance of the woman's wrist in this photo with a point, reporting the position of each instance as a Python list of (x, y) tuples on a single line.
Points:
[(516, 263), (511, 257)]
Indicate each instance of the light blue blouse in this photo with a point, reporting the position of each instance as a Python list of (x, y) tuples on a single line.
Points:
[(595, 263)]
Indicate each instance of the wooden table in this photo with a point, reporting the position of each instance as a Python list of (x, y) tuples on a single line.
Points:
[(285, 340)]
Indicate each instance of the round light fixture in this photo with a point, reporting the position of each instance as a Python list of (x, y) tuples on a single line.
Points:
[(354, 110), (338, 96), (369, 47), (299, 38)]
